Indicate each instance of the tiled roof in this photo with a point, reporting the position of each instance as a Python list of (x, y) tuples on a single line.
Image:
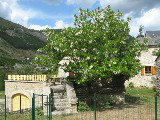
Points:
[(153, 37)]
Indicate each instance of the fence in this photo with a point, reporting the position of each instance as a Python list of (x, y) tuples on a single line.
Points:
[(41, 107), (97, 107), (101, 107), (42, 78), (40, 103)]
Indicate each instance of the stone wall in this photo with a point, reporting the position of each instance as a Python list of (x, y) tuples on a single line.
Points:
[(158, 75), (146, 59), (23, 87), (63, 96)]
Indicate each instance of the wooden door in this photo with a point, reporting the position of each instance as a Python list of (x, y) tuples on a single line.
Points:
[(20, 101)]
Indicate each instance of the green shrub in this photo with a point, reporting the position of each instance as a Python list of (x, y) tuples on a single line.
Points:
[(82, 106), (39, 112), (131, 85), (2, 77), (107, 104)]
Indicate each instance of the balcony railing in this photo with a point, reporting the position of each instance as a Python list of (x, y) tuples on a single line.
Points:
[(42, 78)]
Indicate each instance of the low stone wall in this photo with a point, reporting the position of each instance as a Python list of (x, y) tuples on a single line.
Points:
[(63, 96), (71, 95), (26, 88), (142, 81)]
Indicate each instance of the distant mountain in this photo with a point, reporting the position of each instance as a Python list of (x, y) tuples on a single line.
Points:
[(18, 42)]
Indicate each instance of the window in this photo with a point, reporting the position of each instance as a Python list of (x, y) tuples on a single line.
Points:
[(148, 70)]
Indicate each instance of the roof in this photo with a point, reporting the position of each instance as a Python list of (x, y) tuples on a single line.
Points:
[(153, 37)]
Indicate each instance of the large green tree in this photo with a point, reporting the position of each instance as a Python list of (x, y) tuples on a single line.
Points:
[(98, 48)]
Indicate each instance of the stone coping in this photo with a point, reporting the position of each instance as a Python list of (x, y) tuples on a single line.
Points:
[(25, 81)]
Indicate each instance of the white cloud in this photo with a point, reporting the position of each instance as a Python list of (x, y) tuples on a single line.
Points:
[(11, 10), (143, 12), (60, 25), (5, 11), (149, 19), (38, 27), (86, 3), (130, 5)]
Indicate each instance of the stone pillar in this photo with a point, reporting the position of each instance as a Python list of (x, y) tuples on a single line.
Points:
[(71, 95)]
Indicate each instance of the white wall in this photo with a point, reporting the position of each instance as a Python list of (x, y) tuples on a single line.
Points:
[(147, 59), (61, 72)]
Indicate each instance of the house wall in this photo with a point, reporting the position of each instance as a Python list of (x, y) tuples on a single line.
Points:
[(146, 59), (158, 75)]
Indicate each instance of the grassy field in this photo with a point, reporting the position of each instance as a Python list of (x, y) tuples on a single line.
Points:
[(139, 105), (140, 92)]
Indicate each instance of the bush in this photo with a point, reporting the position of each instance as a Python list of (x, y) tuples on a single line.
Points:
[(2, 77), (39, 112), (107, 104), (131, 85), (82, 106)]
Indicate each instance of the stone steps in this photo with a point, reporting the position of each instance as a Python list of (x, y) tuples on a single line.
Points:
[(61, 108), (59, 100), (61, 104), (67, 111), (59, 97)]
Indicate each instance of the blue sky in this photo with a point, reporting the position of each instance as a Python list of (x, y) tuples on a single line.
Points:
[(40, 14)]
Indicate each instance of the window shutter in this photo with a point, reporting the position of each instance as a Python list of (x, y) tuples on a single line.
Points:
[(153, 70), (142, 71)]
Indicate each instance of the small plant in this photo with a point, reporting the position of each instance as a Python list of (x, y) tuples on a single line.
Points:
[(107, 104), (82, 107), (131, 85), (39, 112)]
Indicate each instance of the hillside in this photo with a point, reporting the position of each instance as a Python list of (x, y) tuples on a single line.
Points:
[(18, 42)]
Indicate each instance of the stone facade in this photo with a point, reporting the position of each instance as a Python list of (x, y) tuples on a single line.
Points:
[(158, 75), (147, 59), (147, 80), (26, 88), (63, 97)]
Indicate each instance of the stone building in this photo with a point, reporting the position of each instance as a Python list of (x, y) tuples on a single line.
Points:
[(147, 76), (19, 91), (158, 74)]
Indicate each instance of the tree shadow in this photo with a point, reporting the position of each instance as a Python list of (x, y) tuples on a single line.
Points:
[(129, 102)]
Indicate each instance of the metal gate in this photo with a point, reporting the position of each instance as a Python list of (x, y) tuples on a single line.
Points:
[(41, 107)]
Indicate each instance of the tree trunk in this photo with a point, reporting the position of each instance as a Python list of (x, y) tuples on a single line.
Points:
[(118, 83)]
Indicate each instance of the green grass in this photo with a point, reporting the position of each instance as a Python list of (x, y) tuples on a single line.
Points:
[(24, 116), (140, 92), (2, 94), (140, 96)]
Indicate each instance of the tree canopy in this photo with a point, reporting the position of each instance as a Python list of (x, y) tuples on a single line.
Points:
[(98, 47)]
